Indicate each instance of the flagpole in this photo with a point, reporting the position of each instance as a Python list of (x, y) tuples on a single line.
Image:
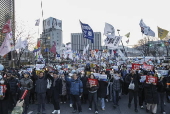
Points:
[(122, 44)]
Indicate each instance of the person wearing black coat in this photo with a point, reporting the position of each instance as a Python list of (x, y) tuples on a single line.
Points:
[(13, 92), (151, 97), (161, 88), (56, 92), (102, 92), (133, 78), (40, 89), (84, 80)]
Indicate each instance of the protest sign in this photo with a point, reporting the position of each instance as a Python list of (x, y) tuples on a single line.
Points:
[(29, 70), (39, 66), (97, 75), (147, 67), (143, 78), (163, 72), (136, 66), (93, 82), (103, 77), (151, 79)]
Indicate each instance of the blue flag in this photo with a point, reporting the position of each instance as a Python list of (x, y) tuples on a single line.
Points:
[(87, 31)]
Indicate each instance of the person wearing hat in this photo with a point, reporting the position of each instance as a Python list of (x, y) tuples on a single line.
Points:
[(26, 84)]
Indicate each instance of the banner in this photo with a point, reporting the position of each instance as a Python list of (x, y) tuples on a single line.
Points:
[(147, 67), (103, 77), (52, 23), (112, 42), (87, 31), (163, 72), (151, 79), (136, 66), (93, 82), (143, 78), (39, 66), (97, 75)]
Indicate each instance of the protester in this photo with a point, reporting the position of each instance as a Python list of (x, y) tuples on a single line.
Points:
[(151, 96), (63, 96), (133, 80), (40, 89), (93, 86), (26, 84), (76, 91), (102, 91), (117, 81), (56, 92)]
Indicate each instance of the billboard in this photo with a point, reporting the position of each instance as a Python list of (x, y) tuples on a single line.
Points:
[(52, 23)]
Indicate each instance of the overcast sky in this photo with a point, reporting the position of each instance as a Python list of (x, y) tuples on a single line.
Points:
[(122, 14)]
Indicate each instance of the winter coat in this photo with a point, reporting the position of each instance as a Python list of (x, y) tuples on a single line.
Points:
[(41, 85), (26, 83), (168, 87), (68, 83), (102, 91), (135, 80), (64, 87), (117, 84), (92, 89), (76, 87), (13, 83), (84, 80), (57, 89), (151, 94), (161, 86)]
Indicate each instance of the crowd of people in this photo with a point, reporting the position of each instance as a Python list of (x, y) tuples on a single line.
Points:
[(76, 87)]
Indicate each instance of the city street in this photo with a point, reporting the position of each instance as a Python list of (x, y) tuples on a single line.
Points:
[(122, 109)]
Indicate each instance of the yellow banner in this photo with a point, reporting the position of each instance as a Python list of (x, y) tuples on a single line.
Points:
[(162, 33)]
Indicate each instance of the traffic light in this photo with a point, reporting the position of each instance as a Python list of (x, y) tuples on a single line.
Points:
[(150, 45), (162, 45)]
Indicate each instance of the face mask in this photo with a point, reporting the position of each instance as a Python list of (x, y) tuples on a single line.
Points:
[(2, 82)]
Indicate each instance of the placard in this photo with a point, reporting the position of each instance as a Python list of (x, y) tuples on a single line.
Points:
[(163, 72), (151, 79), (92, 82), (39, 66), (103, 77), (143, 78), (147, 67), (136, 66), (97, 75)]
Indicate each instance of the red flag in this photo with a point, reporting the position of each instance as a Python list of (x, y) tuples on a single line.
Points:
[(7, 27), (38, 43)]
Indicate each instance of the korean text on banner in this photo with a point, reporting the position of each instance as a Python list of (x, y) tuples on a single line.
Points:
[(103, 77), (151, 79), (136, 66), (97, 75), (163, 72), (92, 82), (147, 67), (39, 66)]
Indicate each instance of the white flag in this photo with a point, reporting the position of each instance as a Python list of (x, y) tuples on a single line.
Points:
[(146, 29), (37, 22), (113, 42), (71, 56), (109, 29), (87, 47), (84, 51), (18, 44), (6, 45), (24, 44)]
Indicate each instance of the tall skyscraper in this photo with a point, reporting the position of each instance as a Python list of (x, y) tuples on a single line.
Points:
[(78, 42), (7, 11), (52, 35)]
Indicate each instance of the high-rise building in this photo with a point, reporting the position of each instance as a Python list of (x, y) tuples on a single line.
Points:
[(52, 35), (7, 11), (78, 42)]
